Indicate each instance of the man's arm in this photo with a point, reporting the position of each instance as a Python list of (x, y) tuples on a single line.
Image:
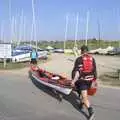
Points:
[(76, 76), (95, 70), (76, 72), (77, 63)]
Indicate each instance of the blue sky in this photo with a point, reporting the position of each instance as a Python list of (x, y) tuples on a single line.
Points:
[(50, 18)]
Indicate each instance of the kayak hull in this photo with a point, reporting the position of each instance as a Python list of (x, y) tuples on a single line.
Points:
[(45, 82)]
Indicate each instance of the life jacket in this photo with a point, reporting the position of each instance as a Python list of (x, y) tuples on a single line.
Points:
[(86, 68), (87, 64)]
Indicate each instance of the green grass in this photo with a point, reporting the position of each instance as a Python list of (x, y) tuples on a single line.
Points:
[(21, 65), (13, 65)]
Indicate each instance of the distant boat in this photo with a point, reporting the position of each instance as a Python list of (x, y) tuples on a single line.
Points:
[(22, 53)]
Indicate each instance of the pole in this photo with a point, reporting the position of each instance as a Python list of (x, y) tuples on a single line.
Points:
[(118, 28), (76, 30), (66, 30), (31, 38), (15, 30), (34, 25), (1, 32), (12, 29), (10, 21), (4, 56), (98, 31), (3, 38), (87, 24), (24, 27), (20, 27)]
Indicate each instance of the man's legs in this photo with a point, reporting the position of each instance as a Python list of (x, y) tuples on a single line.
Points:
[(77, 84), (87, 103)]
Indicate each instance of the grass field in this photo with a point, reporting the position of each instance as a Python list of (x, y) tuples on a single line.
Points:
[(13, 65), (20, 65)]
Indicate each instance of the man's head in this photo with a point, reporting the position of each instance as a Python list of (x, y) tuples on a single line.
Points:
[(84, 49)]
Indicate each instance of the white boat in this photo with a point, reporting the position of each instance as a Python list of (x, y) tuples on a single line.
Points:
[(22, 54)]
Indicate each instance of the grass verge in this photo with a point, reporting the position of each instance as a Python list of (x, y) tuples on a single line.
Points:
[(21, 65)]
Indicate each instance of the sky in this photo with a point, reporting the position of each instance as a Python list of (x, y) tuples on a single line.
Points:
[(50, 19)]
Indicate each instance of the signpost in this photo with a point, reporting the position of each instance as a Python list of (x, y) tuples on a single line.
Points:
[(5, 52)]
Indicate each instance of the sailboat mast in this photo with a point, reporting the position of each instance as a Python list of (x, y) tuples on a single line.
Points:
[(76, 30), (10, 21), (2, 31), (24, 27), (98, 22), (12, 29), (66, 30), (34, 24), (31, 34), (87, 24), (20, 27)]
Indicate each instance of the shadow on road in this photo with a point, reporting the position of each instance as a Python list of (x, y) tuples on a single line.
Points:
[(72, 98)]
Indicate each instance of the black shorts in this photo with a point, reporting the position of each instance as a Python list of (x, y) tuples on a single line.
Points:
[(33, 61), (83, 85)]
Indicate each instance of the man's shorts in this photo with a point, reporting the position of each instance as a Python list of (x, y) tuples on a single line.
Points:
[(83, 85), (33, 61)]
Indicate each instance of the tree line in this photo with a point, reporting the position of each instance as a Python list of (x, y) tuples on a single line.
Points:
[(92, 43)]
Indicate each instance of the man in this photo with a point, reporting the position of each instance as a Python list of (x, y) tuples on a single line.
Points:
[(83, 73), (34, 57)]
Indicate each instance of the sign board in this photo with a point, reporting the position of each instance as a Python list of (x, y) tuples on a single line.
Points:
[(5, 50)]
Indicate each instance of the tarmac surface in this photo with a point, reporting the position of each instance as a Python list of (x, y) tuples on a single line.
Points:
[(21, 99)]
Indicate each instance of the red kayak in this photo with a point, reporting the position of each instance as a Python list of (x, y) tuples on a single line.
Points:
[(57, 82)]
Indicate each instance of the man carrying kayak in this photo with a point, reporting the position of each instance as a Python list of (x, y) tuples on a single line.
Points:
[(83, 73)]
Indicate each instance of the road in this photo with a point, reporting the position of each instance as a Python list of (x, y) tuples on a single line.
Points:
[(20, 99)]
